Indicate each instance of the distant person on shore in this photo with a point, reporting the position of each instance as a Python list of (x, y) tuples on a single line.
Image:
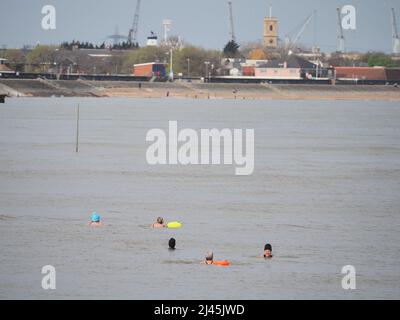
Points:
[(267, 251), (96, 220), (171, 244), (209, 258), (159, 223)]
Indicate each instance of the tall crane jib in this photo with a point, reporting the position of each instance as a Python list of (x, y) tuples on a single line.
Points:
[(395, 35), (303, 27), (133, 32), (291, 42), (232, 28)]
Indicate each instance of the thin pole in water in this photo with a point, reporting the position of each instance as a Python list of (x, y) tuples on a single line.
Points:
[(77, 130)]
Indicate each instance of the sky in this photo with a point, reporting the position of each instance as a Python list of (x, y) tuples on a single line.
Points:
[(200, 22)]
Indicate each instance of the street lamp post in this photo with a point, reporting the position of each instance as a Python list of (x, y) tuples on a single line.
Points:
[(188, 72), (207, 75), (171, 71)]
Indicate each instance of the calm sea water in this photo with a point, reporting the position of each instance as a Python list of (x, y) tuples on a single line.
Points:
[(325, 193)]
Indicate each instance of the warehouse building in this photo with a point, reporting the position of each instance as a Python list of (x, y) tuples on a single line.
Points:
[(150, 70), (367, 75), (291, 68)]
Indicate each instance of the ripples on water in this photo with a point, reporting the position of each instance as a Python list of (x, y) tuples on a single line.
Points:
[(324, 193)]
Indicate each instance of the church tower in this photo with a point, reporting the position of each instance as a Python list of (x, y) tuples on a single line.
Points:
[(271, 31)]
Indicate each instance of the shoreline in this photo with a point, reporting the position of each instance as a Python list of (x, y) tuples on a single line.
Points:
[(186, 90)]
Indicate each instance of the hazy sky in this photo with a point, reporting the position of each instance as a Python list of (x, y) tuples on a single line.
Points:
[(200, 22)]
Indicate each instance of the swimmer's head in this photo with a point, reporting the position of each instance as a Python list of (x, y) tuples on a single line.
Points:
[(95, 217), (267, 250), (210, 256), (172, 243), (160, 220)]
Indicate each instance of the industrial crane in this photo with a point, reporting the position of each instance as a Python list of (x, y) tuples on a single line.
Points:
[(133, 32), (116, 36), (340, 37), (232, 31), (395, 35), (290, 44)]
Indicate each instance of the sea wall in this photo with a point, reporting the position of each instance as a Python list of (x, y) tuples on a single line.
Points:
[(194, 90)]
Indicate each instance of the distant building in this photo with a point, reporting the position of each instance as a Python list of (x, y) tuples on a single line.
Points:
[(4, 68), (361, 74), (248, 71), (393, 74), (271, 32), (67, 66), (248, 67), (293, 67), (279, 73), (151, 69), (152, 40), (228, 64)]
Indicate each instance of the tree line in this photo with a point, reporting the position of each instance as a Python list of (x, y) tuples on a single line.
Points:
[(188, 60), (125, 45)]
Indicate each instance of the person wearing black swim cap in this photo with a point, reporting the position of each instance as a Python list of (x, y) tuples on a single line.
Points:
[(171, 244), (267, 251)]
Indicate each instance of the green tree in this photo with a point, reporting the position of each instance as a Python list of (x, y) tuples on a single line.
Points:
[(40, 59), (15, 59), (378, 59), (194, 57)]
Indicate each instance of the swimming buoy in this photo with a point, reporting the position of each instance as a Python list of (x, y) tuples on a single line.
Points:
[(224, 263), (174, 224)]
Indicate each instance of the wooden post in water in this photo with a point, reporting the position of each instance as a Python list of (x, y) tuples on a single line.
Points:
[(77, 131)]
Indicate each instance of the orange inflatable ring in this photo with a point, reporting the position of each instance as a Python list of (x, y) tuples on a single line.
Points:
[(224, 263)]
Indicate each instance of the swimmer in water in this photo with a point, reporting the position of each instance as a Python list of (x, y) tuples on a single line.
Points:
[(267, 251), (171, 244), (159, 223), (95, 221), (209, 258)]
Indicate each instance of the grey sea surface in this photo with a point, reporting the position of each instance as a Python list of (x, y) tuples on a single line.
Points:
[(325, 193)]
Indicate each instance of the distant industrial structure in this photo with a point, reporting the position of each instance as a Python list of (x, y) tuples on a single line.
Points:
[(167, 28), (270, 38), (340, 35), (116, 37), (152, 40), (291, 42), (395, 35), (231, 24), (133, 31)]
